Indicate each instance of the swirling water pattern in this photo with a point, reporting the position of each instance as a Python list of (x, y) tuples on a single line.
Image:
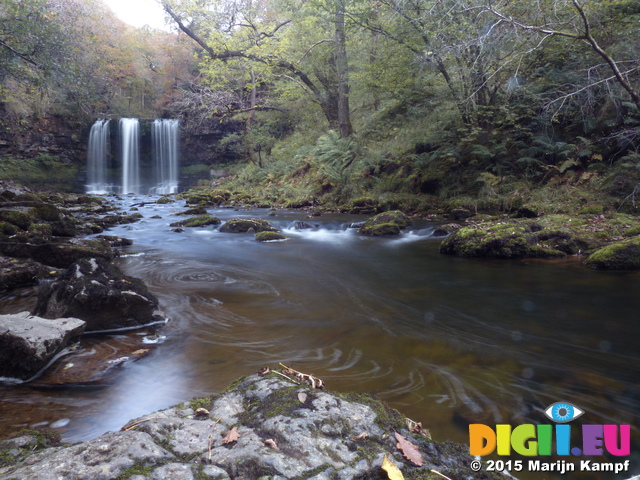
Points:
[(448, 341)]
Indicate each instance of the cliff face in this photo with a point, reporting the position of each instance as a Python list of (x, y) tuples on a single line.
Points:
[(261, 427)]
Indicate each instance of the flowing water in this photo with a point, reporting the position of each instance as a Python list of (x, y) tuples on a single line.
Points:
[(97, 156), (130, 154), (447, 341), (165, 137)]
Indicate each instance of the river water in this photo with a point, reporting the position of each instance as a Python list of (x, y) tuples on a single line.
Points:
[(447, 341)]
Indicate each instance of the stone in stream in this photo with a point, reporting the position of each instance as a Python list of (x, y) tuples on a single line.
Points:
[(28, 343), (282, 435), (100, 294)]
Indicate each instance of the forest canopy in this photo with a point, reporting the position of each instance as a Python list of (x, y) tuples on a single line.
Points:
[(350, 88)]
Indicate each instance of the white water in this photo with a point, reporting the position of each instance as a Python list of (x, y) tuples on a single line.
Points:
[(97, 153), (130, 154), (165, 138)]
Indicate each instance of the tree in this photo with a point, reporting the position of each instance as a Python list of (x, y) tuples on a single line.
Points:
[(570, 20), (247, 31)]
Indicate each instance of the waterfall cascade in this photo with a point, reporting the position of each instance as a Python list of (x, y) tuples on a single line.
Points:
[(165, 140), (97, 154), (137, 171), (130, 154)]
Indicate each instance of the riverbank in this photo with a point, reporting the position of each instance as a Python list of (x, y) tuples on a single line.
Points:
[(273, 425)]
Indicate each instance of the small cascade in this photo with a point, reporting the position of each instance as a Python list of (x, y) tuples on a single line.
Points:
[(165, 139), (130, 154), (97, 154)]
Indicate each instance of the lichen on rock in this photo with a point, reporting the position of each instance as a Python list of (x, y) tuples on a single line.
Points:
[(318, 435)]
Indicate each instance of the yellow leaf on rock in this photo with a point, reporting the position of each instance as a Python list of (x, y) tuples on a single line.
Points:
[(393, 472)]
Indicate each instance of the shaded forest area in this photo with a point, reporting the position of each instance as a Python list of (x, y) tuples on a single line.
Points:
[(415, 104)]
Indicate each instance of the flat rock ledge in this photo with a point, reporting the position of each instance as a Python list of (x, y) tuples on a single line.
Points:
[(286, 431), (28, 343)]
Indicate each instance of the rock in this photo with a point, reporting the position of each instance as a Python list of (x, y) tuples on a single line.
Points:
[(111, 456), (199, 221), (99, 293), (16, 217), (387, 223), (199, 210), (19, 273), (116, 241), (165, 200), (624, 255), (444, 230), (509, 239), (28, 343), (319, 438), (60, 255), (270, 236), (242, 225), (299, 225)]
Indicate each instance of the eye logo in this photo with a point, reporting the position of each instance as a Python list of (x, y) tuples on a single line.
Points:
[(563, 412)]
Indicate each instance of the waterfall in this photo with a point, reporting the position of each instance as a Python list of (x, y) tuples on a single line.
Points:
[(165, 140), (97, 153), (130, 154)]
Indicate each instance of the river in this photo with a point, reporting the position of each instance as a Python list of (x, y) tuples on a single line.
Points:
[(447, 341)]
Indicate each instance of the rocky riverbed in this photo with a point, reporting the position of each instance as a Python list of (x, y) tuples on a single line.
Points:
[(273, 425)]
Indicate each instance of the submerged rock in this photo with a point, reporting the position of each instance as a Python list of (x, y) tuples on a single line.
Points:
[(243, 225), (99, 293), (261, 427), (387, 223), (28, 343)]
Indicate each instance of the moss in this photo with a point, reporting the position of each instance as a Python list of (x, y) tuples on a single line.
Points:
[(165, 200), (46, 212), (624, 255), (15, 217), (592, 210), (199, 210), (7, 228), (379, 230), (199, 221), (201, 402), (242, 225), (387, 418), (137, 469), (270, 236)]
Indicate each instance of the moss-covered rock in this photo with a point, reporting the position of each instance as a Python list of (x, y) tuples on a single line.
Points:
[(199, 221), (269, 236), (46, 211), (379, 230), (242, 225), (387, 223), (199, 210), (624, 255), (507, 239), (165, 200), (16, 217)]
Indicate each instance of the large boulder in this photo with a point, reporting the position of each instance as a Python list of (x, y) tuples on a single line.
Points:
[(260, 427), (99, 293), (28, 343)]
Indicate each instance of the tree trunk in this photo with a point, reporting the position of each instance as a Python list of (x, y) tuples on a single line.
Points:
[(342, 66)]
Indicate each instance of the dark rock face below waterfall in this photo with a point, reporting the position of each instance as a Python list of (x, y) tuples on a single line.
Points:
[(259, 428)]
